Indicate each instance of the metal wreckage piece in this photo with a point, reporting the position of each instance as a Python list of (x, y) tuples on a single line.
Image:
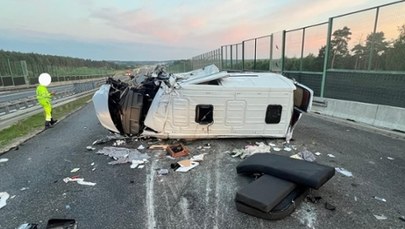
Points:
[(204, 103)]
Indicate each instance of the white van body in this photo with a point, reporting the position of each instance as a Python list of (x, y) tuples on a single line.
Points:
[(207, 103)]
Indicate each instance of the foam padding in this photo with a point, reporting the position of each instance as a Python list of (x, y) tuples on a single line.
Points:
[(264, 193), (309, 174)]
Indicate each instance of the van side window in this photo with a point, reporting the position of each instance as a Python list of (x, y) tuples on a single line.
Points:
[(204, 114), (273, 114)]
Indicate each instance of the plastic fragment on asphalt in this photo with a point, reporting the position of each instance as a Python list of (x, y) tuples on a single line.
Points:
[(331, 155), (160, 147), (141, 166), (119, 143), (187, 168), (28, 226), (199, 157), (317, 153), (3, 160), (288, 149), (79, 181), (330, 206), (307, 155), (276, 149), (344, 172), (207, 146), (162, 172), (141, 147), (90, 148), (379, 198), (24, 188), (355, 198), (92, 164), (296, 156), (272, 144), (108, 138), (12, 197), (390, 158), (380, 217), (122, 155), (402, 218), (136, 163), (3, 199), (75, 170)]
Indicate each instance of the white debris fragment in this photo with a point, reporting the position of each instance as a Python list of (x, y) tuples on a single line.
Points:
[(75, 170), (136, 163), (90, 148), (187, 168), (122, 155), (24, 188), (141, 166), (307, 155), (317, 153), (93, 169), (296, 156), (272, 144), (379, 198), (331, 155), (79, 181), (3, 199), (12, 197), (108, 138), (276, 149), (344, 172), (390, 158), (380, 217), (119, 143), (288, 149), (306, 215), (199, 157), (92, 164), (3, 160), (141, 147), (355, 198), (162, 172)]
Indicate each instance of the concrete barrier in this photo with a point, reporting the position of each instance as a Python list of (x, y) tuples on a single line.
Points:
[(372, 114)]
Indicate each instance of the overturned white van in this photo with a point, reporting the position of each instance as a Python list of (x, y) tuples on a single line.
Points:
[(205, 103)]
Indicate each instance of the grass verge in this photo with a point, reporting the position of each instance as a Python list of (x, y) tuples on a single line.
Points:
[(36, 122)]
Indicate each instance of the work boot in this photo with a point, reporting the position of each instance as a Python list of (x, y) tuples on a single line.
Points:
[(48, 125), (53, 121)]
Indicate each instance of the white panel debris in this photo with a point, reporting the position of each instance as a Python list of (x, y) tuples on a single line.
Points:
[(79, 181), (123, 155), (3, 199), (3, 160), (344, 172)]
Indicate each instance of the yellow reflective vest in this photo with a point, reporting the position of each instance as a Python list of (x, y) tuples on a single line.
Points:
[(43, 95)]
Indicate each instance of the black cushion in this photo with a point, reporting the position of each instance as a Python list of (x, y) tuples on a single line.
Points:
[(301, 172), (265, 193)]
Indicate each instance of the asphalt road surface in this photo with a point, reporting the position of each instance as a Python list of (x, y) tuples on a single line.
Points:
[(27, 93), (203, 197)]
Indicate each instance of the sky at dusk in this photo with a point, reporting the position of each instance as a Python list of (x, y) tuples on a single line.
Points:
[(153, 29)]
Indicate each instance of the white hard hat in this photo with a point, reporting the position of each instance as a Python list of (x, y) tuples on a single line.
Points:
[(44, 79)]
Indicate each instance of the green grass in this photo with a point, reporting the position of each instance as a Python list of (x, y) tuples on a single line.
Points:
[(36, 122)]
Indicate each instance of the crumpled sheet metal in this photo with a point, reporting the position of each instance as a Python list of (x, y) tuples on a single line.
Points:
[(122, 155)]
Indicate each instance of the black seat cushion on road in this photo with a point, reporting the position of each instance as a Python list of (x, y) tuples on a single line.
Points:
[(270, 198), (309, 174), (265, 193)]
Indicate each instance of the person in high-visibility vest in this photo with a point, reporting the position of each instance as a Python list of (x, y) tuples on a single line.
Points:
[(44, 98)]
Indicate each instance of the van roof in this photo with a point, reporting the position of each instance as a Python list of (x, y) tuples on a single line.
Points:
[(257, 80)]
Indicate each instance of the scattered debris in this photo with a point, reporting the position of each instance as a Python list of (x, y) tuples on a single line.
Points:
[(317, 153), (141, 147), (12, 197), (75, 170), (78, 180), (162, 172), (249, 150), (331, 155), (207, 146), (3, 160), (314, 199), (177, 150), (3, 199), (276, 149), (92, 164), (163, 147), (67, 206), (24, 188), (90, 148), (344, 172), (187, 168), (379, 198), (272, 144), (355, 198), (28, 226), (307, 155), (296, 156), (402, 218), (390, 158), (119, 143), (330, 206), (199, 157), (141, 166), (108, 138), (288, 149), (380, 217), (122, 155), (136, 163)]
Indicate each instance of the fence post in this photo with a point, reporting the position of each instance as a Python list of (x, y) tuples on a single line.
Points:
[(243, 55), (231, 58), (254, 61), (326, 59), (370, 58), (222, 57), (283, 52), (271, 53), (302, 48)]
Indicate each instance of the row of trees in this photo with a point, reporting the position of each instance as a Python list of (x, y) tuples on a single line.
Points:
[(376, 53)]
